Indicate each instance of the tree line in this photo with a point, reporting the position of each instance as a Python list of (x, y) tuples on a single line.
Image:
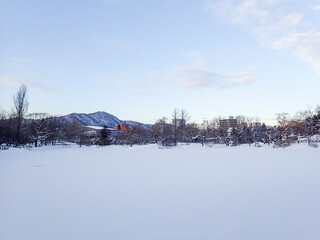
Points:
[(20, 129)]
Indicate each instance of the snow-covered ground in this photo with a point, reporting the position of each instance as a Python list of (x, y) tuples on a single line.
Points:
[(188, 192)]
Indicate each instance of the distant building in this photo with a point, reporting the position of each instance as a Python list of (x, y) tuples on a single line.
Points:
[(228, 123), (204, 125), (121, 126)]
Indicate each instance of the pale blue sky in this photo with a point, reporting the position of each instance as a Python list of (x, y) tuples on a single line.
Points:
[(141, 59)]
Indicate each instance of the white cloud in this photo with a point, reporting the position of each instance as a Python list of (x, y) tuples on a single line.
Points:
[(10, 80), (240, 12), (193, 78), (242, 77), (291, 19), (14, 63), (286, 24), (273, 24), (255, 14), (306, 45), (16, 71), (7, 80), (317, 8), (196, 78)]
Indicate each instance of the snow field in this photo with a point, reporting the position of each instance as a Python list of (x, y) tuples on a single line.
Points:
[(189, 192)]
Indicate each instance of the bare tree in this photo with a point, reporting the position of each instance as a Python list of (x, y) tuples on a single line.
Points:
[(184, 118), (54, 129), (175, 119), (4, 127), (215, 123), (317, 109), (191, 130), (21, 105), (301, 116), (282, 128), (134, 135), (158, 130), (73, 131), (39, 128), (241, 119)]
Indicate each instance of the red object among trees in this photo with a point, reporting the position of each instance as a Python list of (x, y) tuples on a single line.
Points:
[(121, 126)]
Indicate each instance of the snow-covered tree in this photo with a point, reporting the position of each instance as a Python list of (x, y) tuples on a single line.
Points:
[(39, 131), (104, 136)]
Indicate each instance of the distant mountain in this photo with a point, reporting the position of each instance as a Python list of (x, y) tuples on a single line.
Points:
[(137, 124), (101, 119)]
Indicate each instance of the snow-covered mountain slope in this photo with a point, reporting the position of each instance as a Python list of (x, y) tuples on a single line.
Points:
[(105, 119), (101, 119), (137, 124)]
